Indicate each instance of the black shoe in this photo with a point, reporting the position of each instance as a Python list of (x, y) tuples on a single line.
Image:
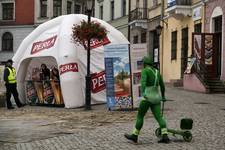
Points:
[(164, 139), (11, 107), (131, 137), (22, 105)]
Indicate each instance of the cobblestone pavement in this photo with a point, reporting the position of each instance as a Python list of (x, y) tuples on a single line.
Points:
[(87, 131)]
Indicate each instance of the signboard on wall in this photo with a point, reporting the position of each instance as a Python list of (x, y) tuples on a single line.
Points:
[(117, 74), (197, 13), (138, 51)]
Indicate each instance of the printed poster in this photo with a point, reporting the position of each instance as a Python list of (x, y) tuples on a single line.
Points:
[(31, 94), (117, 74), (138, 51), (198, 46), (190, 64), (208, 49)]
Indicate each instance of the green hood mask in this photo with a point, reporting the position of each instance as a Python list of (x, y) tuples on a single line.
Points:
[(147, 60)]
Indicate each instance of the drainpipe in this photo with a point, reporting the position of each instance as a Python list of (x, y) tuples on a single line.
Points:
[(162, 35), (129, 7)]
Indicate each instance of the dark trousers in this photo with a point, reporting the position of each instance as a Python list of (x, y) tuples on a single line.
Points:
[(11, 89)]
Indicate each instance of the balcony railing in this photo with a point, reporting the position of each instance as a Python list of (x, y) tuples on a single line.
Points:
[(179, 2), (139, 14)]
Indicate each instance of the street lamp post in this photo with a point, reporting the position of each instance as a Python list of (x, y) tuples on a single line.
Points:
[(158, 32), (88, 76)]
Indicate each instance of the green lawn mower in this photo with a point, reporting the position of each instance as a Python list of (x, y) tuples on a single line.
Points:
[(185, 125)]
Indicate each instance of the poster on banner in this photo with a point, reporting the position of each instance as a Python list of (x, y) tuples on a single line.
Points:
[(48, 93), (117, 74), (31, 94), (137, 51)]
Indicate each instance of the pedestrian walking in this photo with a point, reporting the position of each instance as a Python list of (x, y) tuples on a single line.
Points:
[(10, 84), (151, 98)]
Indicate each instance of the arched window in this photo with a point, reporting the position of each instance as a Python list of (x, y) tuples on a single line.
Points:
[(7, 42)]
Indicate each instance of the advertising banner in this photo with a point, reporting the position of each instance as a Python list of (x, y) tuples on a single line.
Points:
[(98, 82), (117, 74), (138, 51), (31, 93)]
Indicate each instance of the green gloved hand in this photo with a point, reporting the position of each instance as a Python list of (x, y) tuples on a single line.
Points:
[(163, 99)]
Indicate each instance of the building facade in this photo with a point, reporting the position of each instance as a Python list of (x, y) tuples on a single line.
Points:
[(115, 12), (18, 18), (214, 23), (180, 19), (15, 24)]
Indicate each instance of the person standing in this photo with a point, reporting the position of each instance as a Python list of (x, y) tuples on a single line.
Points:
[(10, 84), (150, 81), (45, 72)]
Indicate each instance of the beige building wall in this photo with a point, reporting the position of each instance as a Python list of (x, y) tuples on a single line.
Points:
[(171, 69)]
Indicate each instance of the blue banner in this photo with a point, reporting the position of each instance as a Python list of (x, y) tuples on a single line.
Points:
[(117, 69)]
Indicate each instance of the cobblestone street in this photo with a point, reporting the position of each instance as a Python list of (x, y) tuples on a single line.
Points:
[(43, 128)]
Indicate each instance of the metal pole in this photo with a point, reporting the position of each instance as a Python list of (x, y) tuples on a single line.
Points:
[(88, 76)]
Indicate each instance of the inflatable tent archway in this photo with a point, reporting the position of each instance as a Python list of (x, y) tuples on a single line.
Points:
[(53, 40)]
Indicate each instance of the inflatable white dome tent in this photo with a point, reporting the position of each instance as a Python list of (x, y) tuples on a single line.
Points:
[(51, 43)]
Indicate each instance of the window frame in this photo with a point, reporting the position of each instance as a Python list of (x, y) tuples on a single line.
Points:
[(112, 10), (124, 7), (143, 37), (43, 8), (174, 45), (6, 12), (198, 27), (57, 8), (101, 11), (135, 39), (69, 8), (7, 41), (76, 5)]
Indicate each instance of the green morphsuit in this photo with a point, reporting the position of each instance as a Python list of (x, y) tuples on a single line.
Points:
[(150, 82)]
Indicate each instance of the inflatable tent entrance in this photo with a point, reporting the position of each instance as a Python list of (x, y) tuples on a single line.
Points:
[(51, 42)]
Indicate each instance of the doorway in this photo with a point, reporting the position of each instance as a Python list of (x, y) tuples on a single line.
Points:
[(217, 21)]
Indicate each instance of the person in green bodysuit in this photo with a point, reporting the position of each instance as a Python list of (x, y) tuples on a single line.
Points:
[(150, 80)]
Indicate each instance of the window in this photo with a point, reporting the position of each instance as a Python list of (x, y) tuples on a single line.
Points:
[(198, 28), (124, 7), (143, 37), (7, 42), (77, 9), (57, 8), (174, 45), (7, 11), (135, 39), (218, 24), (101, 12), (112, 10), (43, 5), (69, 7)]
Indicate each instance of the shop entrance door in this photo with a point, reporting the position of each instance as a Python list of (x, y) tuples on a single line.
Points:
[(206, 50), (218, 42)]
